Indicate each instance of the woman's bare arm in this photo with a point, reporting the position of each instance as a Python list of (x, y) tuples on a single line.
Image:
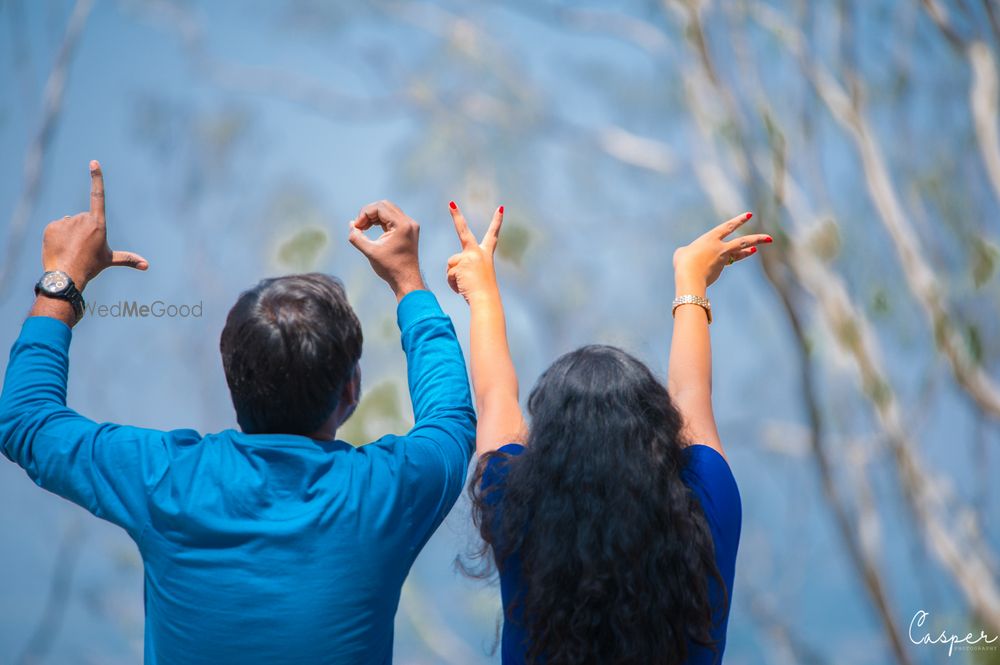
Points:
[(494, 380), (689, 379)]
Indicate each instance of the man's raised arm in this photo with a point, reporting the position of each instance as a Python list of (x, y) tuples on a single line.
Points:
[(440, 444), (102, 467)]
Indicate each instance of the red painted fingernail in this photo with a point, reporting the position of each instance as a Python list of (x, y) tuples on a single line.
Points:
[(769, 239), (501, 210), (749, 215), (753, 250), (451, 204)]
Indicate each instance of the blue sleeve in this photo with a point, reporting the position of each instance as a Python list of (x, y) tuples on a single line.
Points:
[(103, 467), (494, 480), (439, 446), (710, 478), (495, 473)]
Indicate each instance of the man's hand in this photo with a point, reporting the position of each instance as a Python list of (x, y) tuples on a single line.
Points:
[(78, 244), (393, 254), (470, 272)]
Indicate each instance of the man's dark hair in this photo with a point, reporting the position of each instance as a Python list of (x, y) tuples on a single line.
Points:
[(289, 347)]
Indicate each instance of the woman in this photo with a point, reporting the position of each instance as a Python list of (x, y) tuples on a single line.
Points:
[(614, 520)]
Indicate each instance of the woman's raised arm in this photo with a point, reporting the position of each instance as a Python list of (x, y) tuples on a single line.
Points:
[(494, 381), (689, 379)]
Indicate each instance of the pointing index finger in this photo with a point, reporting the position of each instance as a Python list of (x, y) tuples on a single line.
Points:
[(97, 191)]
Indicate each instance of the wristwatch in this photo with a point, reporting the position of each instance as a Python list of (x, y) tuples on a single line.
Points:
[(59, 285)]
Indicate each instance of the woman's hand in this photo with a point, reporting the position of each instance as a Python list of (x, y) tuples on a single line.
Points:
[(471, 272), (699, 264), (494, 381)]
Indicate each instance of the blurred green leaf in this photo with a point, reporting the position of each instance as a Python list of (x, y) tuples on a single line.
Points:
[(222, 130), (515, 239), (975, 341), (848, 334), (160, 124), (901, 84), (984, 260), (301, 251), (380, 412), (388, 329), (729, 132), (991, 657), (986, 654), (942, 328), (779, 158), (880, 301), (825, 242), (879, 391)]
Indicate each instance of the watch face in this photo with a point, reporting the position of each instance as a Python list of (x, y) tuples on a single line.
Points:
[(55, 281)]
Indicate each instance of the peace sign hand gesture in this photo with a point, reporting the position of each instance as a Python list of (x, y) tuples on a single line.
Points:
[(78, 244), (470, 272)]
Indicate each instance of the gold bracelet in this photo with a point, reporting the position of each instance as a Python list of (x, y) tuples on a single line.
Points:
[(693, 300)]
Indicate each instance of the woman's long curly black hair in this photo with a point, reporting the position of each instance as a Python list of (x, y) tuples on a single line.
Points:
[(615, 551)]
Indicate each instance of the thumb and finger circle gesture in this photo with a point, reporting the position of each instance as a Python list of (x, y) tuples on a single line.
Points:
[(394, 254), (471, 271), (78, 244)]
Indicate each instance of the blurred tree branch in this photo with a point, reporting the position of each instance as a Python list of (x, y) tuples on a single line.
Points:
[(949, 530), (54, 612), (920, 277), (718, 187), (983, 92), (34, 159), (315, 95), (791, 647), (965, 555)]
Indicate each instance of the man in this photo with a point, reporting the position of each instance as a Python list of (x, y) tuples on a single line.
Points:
[(277, 543)]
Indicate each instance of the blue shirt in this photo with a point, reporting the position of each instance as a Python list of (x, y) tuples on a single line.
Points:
[(708, 476), (257, 548)]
